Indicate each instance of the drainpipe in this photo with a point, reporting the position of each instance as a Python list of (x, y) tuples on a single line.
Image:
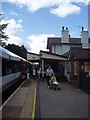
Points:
[(42, 68), (65, 68), (42, 65)]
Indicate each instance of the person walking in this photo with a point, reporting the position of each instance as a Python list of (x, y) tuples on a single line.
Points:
[(49, 74)]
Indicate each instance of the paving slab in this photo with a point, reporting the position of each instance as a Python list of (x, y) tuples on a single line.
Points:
[(11, 112), (69, 102), (27, 83), (28, 105), (19, 97), (21, 104)]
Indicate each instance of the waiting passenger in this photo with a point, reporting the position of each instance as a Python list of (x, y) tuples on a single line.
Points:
[(39, 72), (34, 73), (28, 74)]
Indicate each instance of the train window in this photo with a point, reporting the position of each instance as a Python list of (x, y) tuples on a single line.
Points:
[(4, 67), (9, 67), (16, 66)]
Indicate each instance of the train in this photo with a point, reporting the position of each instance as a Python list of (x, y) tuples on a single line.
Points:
[(13, 72)]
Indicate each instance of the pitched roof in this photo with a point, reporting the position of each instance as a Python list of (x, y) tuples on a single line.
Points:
[(53, 54), (66, 54), (32, 53), (75, 40), (80, 53), (57, 41), (53, 40)]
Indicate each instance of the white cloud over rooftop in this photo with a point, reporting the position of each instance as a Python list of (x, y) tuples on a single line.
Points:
[(66, 9), (12, 28), (14, 13), (38, 42), (63, 8), (33, 43)]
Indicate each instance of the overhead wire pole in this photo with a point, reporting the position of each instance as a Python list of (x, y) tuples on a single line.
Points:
[(0, 65), (89, 19), (80, 27)]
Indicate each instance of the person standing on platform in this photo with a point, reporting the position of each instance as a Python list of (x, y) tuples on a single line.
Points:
[(28, 74), (34, 73), (49, 74), (39, 72)]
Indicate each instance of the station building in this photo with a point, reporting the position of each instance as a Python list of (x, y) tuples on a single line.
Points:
[(77, 51), (45, 58), (78, 72), (61, 45), (69, 58)]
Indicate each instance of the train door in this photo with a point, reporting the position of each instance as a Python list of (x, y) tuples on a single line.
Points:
[(21, 62)]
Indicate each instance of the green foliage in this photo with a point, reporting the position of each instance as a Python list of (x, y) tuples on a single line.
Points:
[(3, 36), (21, 51)]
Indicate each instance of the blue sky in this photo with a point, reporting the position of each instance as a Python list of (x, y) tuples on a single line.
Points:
[(30, 23)]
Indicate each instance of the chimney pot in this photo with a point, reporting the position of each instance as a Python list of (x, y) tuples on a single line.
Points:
[(66, 28), (82, 28), (62, 27)]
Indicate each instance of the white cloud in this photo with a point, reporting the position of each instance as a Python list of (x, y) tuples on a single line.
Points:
[(34, 43), (12, 28), (15, 40), (20, 21), (67, 5), (38, 42), (65, 9), (1, 12), (14, 13), (85, 2)]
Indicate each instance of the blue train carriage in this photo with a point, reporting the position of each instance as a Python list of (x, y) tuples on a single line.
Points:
[(13, 71)]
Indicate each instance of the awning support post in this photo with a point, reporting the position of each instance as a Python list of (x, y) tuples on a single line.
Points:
[(42, 68)]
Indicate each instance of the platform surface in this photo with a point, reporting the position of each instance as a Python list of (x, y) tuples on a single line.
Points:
[(21, 104), (69, 102)]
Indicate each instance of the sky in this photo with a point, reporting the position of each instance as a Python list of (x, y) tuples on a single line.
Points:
[(31, 22)]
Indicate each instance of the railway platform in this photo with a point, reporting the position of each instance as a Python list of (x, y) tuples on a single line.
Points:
[(69, 102), (21, 103), (35, 100)]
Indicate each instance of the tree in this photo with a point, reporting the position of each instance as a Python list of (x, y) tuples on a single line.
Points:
[(23, 52), (18, 50), (3, 36)]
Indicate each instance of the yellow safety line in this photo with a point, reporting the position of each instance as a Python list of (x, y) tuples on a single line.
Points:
[(33, 112)]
